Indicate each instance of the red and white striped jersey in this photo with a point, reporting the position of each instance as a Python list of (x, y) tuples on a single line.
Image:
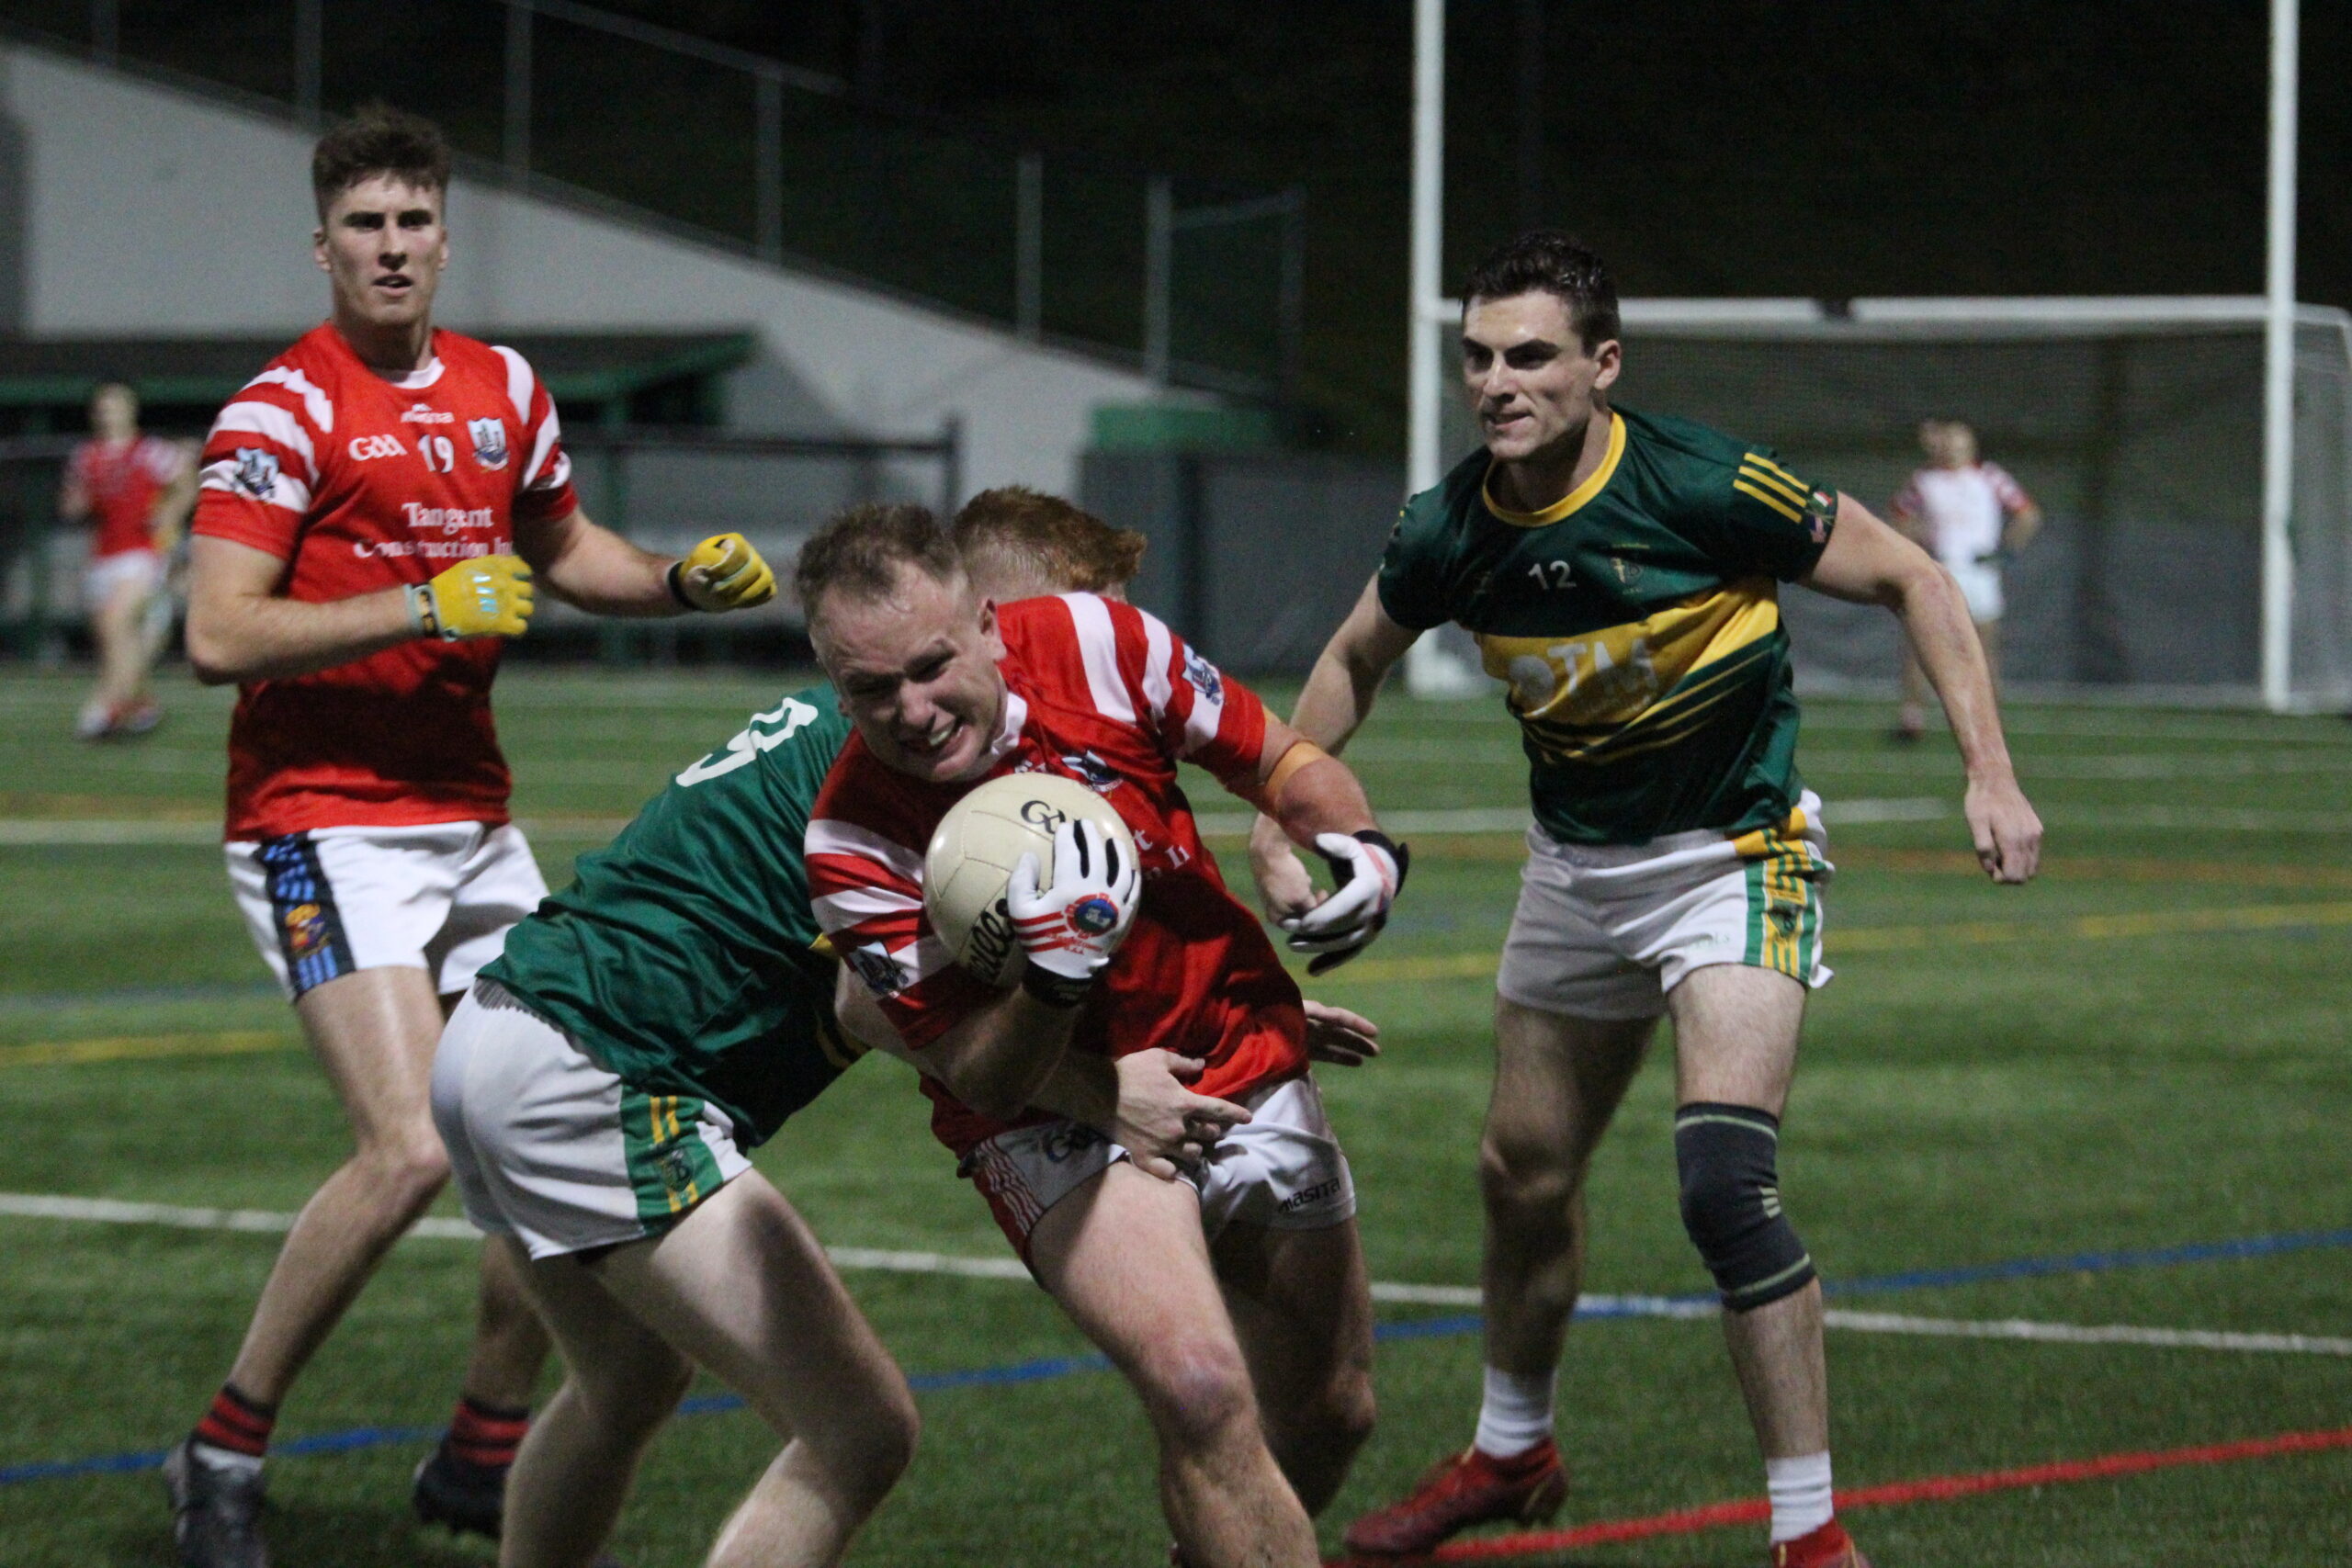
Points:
[(358, 482), (120, 481), (1104, 694), (1964, 510)]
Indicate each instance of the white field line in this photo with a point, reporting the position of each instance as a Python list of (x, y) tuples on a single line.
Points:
[(108, 1210)]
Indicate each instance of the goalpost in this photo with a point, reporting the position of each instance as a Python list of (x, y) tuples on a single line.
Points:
[(2193, 455)]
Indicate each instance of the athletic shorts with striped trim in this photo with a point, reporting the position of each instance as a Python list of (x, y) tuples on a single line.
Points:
[(1282, 1170), (1605, 930), (553, 1149), (437, 898)]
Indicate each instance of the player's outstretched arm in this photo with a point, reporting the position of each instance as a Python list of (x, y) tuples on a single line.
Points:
[(241, 628), (587, 565), (1869, 563), (1334, 703), (1317, 801)]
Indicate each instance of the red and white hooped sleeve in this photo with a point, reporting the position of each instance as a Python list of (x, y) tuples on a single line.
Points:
[(543, 487), (865, 889), (1140, 673), (262, 461)]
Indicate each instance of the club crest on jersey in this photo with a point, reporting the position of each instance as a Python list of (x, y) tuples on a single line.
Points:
[(256, 472), (1093, 772), (1204, 677), (489, 441), (883, 975)]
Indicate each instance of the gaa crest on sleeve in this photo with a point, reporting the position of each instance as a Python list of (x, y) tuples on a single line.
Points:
[(1202, 676), (883, 975), (490, 442), (256, 472)]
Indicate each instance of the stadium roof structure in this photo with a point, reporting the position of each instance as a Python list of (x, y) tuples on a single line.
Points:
[(583, 370)]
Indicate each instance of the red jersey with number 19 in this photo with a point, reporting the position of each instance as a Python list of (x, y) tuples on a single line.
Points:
[(358, 482), (1104, 694)]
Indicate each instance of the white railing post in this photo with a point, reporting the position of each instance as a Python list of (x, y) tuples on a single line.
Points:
[(2279, 372)]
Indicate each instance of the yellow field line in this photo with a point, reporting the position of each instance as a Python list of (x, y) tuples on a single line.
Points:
[(1966, 934), (144, 1048)]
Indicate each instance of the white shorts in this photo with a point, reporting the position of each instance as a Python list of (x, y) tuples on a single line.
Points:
[(551, 1149), (1980, 584), (438, 897), (1282, 1170), (1605, 931), (104, 577)]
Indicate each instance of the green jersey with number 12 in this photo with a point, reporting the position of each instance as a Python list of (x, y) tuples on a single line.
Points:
[(1636, 623), (684, 958)]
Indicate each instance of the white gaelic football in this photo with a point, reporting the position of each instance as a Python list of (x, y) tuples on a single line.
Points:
[(973, 853)]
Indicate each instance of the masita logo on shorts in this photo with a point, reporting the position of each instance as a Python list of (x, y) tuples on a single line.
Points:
[(489, 441), (883, 975)]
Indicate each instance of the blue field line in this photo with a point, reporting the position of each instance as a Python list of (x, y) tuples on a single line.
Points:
[(1045, 1369)]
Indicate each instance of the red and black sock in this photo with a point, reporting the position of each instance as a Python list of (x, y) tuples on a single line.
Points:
[(487, 1435), (237, 1425)]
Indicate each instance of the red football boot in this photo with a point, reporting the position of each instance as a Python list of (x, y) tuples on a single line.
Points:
[(1468, 1488), (1829, 1547)]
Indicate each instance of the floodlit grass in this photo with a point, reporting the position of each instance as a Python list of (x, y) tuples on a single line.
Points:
[(2147, 1047)]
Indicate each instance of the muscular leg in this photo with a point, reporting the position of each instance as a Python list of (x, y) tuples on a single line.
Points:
[(1735, 1044), (742, 1288), (510, 1342), (1125, 1257), (576, 1466), (1557, 1082), (1301, 1305), (374, 1031)]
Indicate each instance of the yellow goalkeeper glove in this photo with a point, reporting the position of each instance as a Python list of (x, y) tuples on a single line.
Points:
[(723, 572), (487, 596)]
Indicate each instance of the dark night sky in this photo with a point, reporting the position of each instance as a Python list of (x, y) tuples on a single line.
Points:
[(1829, 148)]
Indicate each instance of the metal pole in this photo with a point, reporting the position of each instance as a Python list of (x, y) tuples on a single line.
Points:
[(951, 464), (770, 170), (1429, 670), (2278, 371), (518, 87), (1292, 307), (310, 66), (1158, 243), (105, 31), (1029, 246)]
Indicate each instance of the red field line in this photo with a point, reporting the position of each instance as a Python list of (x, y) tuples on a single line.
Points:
[(1929, 1489)]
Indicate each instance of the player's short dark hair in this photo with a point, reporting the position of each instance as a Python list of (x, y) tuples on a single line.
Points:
[(861, 550), (378, 139), (1075, 549), (1549, 261)]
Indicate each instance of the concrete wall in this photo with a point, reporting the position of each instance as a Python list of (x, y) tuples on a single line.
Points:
[(150, 211)]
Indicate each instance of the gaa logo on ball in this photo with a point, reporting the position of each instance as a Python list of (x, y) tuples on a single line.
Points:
[(1095, 914)]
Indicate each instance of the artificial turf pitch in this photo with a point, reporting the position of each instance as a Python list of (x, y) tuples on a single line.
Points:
[(2146, 1048)]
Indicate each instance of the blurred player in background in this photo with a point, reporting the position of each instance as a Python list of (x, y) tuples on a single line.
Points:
[(1235, 1302), (368, 504), (1971, 516), (1620, 571), (135, 489)]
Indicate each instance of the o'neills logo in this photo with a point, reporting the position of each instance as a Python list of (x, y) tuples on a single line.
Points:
[(989, 947), (448, 519)]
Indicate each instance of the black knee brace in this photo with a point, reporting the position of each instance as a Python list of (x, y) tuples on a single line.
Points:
[(1731, 1203)]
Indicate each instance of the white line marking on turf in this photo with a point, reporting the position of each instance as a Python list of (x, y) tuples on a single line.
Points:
[(108, 1210)]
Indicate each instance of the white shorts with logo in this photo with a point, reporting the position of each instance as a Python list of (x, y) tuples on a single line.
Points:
[(551, 1148), (1605, 930), (1281, 1169), (107, 574), (323, 903)]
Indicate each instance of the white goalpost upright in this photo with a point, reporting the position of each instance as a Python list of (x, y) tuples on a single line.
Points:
[(2158, 592)]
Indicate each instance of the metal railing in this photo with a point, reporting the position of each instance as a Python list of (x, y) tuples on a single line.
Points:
[(767, 159)]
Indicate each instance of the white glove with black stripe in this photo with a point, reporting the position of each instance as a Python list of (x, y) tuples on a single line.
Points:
[(1367, 873), (1069, 929)]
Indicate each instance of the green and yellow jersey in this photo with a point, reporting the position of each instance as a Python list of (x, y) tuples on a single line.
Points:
[(1637, 623), (684, 958)]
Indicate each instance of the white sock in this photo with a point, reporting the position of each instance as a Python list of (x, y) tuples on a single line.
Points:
[(1516, 1414), (227, 1459), (1800, 1489)]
